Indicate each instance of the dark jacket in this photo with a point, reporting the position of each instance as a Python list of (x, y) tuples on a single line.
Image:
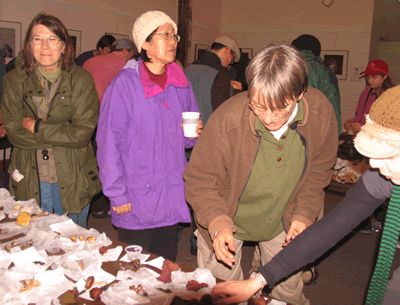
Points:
[(223, 157), (69, 125), (360, 202), (211, 83)]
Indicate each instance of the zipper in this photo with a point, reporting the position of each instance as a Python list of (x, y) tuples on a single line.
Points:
[(33, 112), (303, 139)]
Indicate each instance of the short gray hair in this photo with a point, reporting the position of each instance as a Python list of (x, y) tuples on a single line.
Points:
[(276, 74)]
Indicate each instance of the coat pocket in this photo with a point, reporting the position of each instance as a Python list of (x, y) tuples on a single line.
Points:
[(90, 181)]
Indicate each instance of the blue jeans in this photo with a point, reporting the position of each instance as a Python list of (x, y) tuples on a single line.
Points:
[(51, 200)]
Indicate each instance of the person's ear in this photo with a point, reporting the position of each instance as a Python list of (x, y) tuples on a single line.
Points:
[(385, 77), (145, 45)]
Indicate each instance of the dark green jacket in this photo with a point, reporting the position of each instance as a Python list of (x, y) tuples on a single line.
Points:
[(68, 128), (323, 79)]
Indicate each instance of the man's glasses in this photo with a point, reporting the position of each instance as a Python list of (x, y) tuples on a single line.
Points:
[(169, 36), (262, 110), (51, 41)]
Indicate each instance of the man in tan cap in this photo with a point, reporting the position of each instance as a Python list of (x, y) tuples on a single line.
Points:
[(210, 78)]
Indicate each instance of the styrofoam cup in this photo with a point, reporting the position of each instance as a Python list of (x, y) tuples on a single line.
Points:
[(133, 252), (190, 121)]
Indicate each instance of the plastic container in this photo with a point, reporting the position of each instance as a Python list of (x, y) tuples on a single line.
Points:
[(55, 245), (133, 252)]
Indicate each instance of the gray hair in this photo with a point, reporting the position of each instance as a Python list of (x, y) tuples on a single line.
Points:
[(276, 74)]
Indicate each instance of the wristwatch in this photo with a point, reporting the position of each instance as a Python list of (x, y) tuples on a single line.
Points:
[(262, 281)]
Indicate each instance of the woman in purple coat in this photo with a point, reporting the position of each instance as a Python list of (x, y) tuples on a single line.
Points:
[(141, 147)]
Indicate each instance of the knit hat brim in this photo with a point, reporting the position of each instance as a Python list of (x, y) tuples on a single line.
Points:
[(147, 23), (376, 141)]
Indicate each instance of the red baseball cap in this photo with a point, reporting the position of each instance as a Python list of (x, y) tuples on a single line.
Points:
[(376, 67)]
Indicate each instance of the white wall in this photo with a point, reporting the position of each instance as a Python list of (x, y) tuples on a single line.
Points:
[(390, 52), (92, 17), (346, 25)]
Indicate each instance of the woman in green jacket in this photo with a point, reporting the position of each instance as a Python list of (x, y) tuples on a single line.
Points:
[(50, 110)]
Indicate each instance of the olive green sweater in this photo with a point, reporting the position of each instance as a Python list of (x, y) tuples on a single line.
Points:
[(277, 170)]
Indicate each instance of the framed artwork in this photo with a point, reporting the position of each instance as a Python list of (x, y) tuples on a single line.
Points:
[(118, 36), (337, 61), (247, 53), (76, 38), (10, 39), (200, 49)]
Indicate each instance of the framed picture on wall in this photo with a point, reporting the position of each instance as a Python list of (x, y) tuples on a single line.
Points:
[(200, 49), (247, 53), (337, 61), (118, 36), (76, 38), (10, 39)]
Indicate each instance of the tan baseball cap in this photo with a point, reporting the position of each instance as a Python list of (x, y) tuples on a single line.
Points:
[(230, 42)]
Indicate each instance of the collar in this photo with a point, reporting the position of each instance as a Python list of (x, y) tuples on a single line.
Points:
[(299, 122), (297, 115), (175, 77)]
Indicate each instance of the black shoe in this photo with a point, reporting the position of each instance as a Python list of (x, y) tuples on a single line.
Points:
[(314, 276), (100, 214), (376, 226)]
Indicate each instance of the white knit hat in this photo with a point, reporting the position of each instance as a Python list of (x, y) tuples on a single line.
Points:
[(380, 136), (147, 23)]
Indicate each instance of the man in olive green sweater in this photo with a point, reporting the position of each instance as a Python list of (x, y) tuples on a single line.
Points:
[(258, 171)]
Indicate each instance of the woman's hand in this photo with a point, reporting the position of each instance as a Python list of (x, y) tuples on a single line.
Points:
[(235, 291), (199, 129), (347, 125), (3, 132), (122, 209), (29, 124), (356, 126)]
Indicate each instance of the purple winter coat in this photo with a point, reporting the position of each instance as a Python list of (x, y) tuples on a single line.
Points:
[(141, 147)]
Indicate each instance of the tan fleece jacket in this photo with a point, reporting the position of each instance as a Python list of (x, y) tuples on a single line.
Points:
[(223, 157)]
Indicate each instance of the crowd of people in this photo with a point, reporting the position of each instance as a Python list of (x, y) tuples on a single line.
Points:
[(104, 131)]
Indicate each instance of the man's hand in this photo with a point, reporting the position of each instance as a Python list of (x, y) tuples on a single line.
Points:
[(236, 85), (3, 132), (223, 238), (295, 229), (235, 291), (29, 124), (122, 209)]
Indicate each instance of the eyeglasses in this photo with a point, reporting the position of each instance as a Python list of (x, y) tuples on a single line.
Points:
[(51, 41), (169, 36), (261, 110)]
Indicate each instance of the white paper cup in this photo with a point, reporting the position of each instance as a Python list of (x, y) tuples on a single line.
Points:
[(133, 252), (190, 121)]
